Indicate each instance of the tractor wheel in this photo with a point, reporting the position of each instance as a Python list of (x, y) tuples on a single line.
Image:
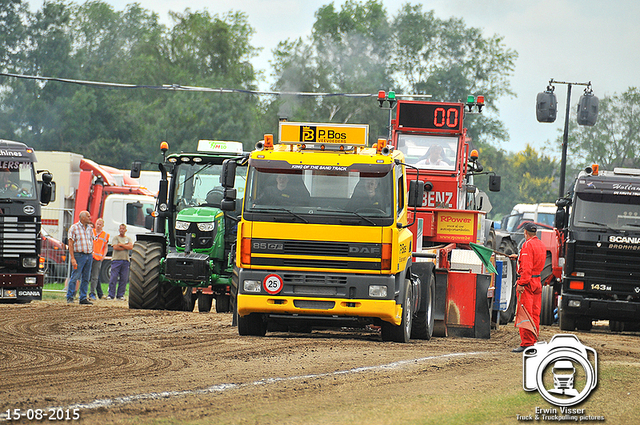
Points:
[(222, 303), (401, 333), (174, 297), (188, 299), (424, 321), (145, 291), (508, 315), (252, 324), (549, 302), (205, 301)]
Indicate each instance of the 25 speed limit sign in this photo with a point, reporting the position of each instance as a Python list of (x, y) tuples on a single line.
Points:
[(272, 284)]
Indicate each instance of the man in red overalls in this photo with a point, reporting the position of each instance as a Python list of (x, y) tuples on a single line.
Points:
[(528, 287)]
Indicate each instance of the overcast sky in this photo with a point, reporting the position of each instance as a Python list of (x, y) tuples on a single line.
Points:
[(567, 40)]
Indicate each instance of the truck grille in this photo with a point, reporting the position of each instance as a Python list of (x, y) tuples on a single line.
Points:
[(608, 264), (18, 236)]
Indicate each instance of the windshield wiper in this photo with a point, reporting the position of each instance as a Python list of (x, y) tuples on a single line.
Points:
[(339, 210), (600, 224), (268, 209)]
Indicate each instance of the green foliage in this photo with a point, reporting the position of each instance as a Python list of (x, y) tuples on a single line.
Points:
[(93, 41), (614, 141), (528, 177)]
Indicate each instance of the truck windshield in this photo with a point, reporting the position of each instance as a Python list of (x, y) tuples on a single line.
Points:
[(199, 185), (430, 152), (602, 210), (17, 180), (307, 193)]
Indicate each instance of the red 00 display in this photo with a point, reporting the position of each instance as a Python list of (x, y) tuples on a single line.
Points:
[(438, 116), (446, 117)]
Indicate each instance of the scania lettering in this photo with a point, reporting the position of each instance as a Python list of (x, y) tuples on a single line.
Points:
[(324, 239), (599, 227), (21, 195)]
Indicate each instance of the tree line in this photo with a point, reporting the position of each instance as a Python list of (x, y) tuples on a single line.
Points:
[(359, 47)]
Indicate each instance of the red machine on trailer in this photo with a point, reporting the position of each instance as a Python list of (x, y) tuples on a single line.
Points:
[(453, 212)]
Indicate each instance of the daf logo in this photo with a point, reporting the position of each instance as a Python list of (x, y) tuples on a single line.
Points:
[(29, 209), (364, 250)]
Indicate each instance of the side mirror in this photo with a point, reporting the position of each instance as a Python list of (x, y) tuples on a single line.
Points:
[(560, 220), (494, 183), (136, 167), (416, 193), (228, 205), (46, 188), (228, 175)]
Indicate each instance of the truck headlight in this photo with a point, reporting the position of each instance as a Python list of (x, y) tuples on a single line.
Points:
[(182, 225), (574, 303), (29, 262), (205, 227), (252, 285), (378, 291), (30, 280)]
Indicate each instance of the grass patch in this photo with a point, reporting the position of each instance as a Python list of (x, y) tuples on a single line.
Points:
[(58, 292)]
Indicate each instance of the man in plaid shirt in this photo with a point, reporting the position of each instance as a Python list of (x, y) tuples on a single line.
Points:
[(81, 254)]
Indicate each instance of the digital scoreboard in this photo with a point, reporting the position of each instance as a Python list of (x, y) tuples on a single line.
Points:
[(433, 116)]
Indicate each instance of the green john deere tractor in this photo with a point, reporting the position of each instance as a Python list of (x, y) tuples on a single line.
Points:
[(188, 257)]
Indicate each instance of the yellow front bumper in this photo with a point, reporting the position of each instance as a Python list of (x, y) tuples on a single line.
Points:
[(386, 310)]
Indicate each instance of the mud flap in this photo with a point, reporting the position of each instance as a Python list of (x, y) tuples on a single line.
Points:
[(468, 306)]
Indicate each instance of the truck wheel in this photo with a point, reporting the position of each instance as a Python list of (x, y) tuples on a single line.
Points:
[(424, 321), (252, 324), (616, 326), (145, 290), (222, 303), (205, 301), (508, 315), (402, 333), (548, 305), (567, 321), (105, 271), (584, 323)]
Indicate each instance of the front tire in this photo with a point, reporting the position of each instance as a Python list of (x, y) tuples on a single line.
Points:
[(567, 321), (425, 321), (252, 324), (401, 333), (145, 291)]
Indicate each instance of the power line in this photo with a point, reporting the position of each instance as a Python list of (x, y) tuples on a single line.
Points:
[(179, 87)]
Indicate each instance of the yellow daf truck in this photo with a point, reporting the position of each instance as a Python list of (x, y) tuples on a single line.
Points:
[(323, 241)]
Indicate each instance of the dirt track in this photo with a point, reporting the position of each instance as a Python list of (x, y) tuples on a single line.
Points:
[(126, 366)]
